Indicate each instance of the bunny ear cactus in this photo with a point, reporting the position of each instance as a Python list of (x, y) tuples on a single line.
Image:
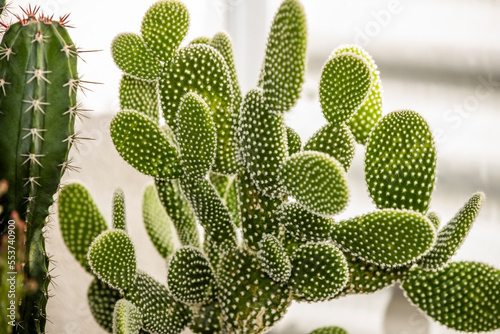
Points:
[(266, 203), (38, 87)]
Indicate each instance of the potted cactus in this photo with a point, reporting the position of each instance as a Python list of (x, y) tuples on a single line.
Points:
[(266, 202)]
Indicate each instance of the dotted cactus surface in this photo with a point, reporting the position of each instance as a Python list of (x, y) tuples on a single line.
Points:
[(141, 96), (158, 225), (80, 221), (195, 133), (453, 234), (464, 296), (112, 259), (294, 141), (317, 181), (127, 319), (118, 210), (207, 319), (190, 277), (231, 199), (329, 330), (258, 212), (180, 212), (263, 140), (161, 314), (163, 28), (367, 278), (201, 69), (435, 219), (133, 57), (363, 121), (212, 214), (222, 43), (102, 299), (400, 162), (319, 272), (344, 86), (303, 225), (274, 260), (334, 140), (141, 143), (282, 72), (250, 301), (387, 238)]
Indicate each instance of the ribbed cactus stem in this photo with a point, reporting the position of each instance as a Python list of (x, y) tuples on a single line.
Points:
[(38, 80)]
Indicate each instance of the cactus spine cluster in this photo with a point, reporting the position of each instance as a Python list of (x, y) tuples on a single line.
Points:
[(230, 163), (38, 86)]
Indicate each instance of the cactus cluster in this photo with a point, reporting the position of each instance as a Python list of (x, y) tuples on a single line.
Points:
[(38, 106), (266, 202)]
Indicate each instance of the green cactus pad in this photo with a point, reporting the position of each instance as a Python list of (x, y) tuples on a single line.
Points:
[(282, 72), (400, 162), (222, 43), (127, 319), (212, 252), (258, 212), (212, 214), (190, 277), (344, 86), (319, 272), (317, 181), (142, 144), (387, 237), (303, 225), (334, 140), (80, 221), (274, 259), (157, 223), (132, 56), (102, 299), (141, 96), (294, 142), (452, 235), (201, 40), (232, 202), (161, 314), (163, 28), (201, 69), (367, 278), (207, 319), (179, 211), (329, 330), (112, 259), (250, 301), (464, 296), (195, 133), (435, 220), (220, 183), (363, 121), (118, 211), (263, 140)]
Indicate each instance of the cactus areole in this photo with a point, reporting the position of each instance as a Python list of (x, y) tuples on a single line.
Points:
[(38, 85)]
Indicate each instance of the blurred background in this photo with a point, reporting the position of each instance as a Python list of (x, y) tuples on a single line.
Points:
[(439, 58)]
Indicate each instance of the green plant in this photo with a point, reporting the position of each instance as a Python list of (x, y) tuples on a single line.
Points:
[(38, 85), (230, 163)]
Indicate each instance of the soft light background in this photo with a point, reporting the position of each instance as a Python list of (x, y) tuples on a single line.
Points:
[(439, 58)]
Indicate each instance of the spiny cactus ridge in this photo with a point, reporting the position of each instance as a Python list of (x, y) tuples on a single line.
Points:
[(38, 107), (230, 164)]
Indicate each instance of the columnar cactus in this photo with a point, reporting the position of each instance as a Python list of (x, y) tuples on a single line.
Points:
[(229, 163), (38, 87)]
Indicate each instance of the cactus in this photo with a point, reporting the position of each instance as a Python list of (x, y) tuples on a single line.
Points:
[(267, 203), (39, 83)]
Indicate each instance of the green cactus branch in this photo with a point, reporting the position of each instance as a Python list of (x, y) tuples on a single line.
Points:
[(252, 206)]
